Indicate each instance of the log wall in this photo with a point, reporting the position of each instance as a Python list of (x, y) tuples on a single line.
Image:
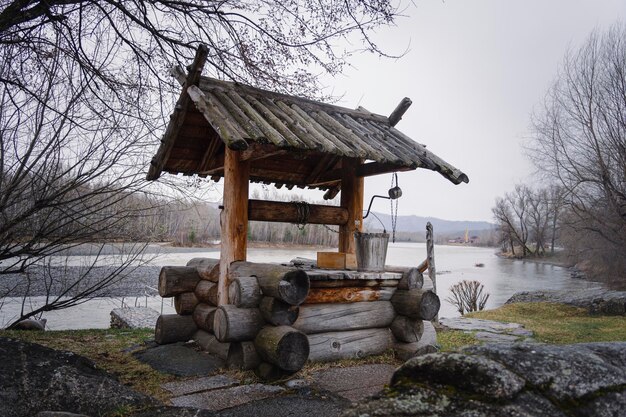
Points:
[(279, 317)]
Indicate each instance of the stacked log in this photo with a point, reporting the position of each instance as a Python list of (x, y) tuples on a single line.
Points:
[(415, 305), (279, 317)]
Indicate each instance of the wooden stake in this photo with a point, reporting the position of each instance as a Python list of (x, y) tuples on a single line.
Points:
[(430, 258), (234, 218)]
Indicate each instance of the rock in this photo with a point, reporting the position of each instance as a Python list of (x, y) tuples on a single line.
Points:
[(134, 318), (38, 379), (521, 379), (31, 324), (191, 386), (488, 330), (598, 301), (355, 382), (58, 414), (180, 359)]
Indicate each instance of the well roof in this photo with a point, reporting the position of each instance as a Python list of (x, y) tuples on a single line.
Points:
[(289, 140)]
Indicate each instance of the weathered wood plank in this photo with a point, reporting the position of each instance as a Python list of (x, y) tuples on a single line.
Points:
[(348, 295), (339, 283), (355, 276), (278, 211), (355, 344), (282, 346), (178, 117), (172, 328), (319, 318)]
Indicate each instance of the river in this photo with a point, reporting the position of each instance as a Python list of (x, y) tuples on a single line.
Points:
[(500, 277)]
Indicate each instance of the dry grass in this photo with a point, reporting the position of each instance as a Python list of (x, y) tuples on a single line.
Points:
[(558, 323), (110, 349)]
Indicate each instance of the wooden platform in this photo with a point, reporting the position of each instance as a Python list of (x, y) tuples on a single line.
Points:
[(337, 275)]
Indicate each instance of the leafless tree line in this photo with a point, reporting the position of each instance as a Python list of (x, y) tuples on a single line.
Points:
[(579, 146), (528, 220)]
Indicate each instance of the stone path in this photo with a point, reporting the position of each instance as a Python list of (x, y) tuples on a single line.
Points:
[(327, 392), (489, 331)]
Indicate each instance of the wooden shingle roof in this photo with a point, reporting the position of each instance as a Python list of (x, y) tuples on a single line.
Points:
[(289, 140)]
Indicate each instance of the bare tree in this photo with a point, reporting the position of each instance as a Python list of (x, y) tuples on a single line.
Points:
[(83, 94), (580, 142)]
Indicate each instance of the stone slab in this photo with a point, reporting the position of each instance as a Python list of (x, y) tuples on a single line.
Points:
[(468, 324), (220, 399), (178, 359), (489, 337), (134, 318), (192, 386), (354, 383), (290, 405)]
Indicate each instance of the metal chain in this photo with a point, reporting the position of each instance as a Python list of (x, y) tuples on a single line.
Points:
[(394, 213)]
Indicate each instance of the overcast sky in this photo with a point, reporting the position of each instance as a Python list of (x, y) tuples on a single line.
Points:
[(475, 71)]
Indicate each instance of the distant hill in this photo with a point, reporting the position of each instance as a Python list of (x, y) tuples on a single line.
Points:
[(413, 224)]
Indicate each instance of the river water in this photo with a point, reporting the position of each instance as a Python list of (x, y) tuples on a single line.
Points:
[(500, 277)]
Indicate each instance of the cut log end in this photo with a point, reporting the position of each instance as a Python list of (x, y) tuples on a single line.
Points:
[(294, 287), (429, 307)]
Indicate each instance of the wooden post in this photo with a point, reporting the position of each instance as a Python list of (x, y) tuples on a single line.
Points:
[(352, 200), (430, 257), (234, 218)]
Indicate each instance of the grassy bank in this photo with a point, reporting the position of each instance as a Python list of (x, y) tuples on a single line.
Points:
[(558, 323)]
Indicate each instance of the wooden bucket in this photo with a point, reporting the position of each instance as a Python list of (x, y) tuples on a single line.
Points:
[(371, 251)]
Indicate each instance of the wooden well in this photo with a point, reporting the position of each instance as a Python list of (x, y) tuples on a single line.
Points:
[(254, 315)]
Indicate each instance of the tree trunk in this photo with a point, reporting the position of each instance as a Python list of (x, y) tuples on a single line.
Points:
[(172, 328), (243, 356), (245, 292), (277, 312), (208, 268), (175, 280), (206, 292), (282, 346), (417, 304), (348, 295), (355, 344), (289, 284), (406, 329), (319, 318), (209, 343), (203, 316), (233, 324), (185, 303)]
